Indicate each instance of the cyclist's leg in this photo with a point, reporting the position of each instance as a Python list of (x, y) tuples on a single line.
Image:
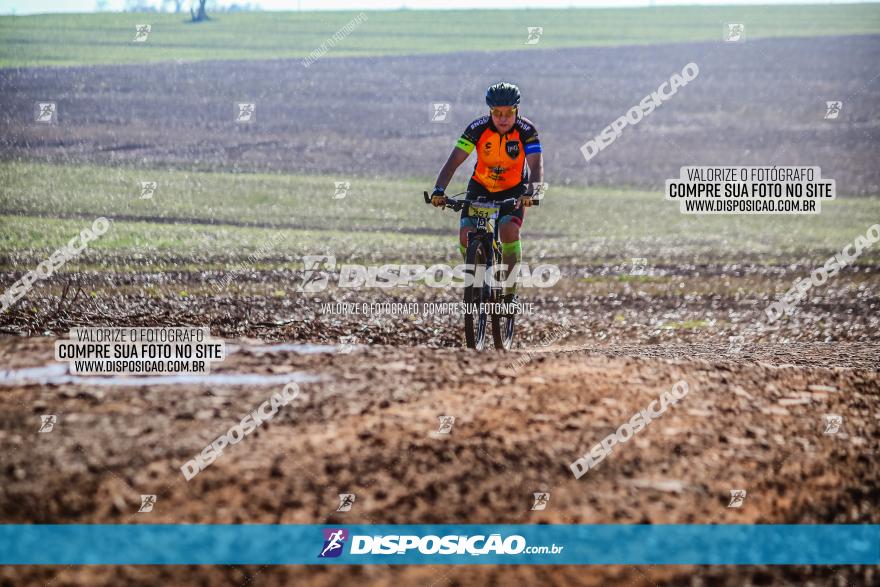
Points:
[(511, 247), (466, 225)]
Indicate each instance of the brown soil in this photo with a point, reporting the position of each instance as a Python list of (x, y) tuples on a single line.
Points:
[(752, 420)]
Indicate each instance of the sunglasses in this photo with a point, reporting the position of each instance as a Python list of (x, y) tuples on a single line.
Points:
[(503, 113)]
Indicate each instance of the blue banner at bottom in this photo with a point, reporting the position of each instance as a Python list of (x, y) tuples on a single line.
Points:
[(517, 544)]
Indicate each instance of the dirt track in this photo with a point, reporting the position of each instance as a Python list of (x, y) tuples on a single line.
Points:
[(754, 419), (366, 428), (759, 102)]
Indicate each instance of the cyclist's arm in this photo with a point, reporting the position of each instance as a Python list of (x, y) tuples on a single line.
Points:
[(536, 168), (534, 158), (456, 158)]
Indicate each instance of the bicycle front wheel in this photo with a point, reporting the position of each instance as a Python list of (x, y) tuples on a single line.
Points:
[(476, 295)]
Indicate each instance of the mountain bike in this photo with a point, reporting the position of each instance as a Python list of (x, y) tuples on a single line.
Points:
[(483, 297)]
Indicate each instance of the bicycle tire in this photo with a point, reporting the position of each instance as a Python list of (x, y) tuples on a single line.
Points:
[(475, 324), (502, 331)]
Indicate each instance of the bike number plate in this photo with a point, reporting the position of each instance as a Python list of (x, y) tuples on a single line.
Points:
[(482, 211)]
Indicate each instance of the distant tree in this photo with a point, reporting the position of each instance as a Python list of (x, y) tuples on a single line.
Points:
[(201, 14)]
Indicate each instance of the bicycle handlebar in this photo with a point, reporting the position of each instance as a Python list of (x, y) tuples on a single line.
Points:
[(459, 204)]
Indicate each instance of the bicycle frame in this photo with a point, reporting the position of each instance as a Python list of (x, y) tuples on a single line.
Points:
[(481, 231), (491, 240), (484, 212)]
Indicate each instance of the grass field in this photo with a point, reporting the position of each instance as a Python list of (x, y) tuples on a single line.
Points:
[(82, 39), (209, 218)]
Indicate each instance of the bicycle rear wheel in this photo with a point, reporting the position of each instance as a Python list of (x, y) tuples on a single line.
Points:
[(502, 331), (475, 295)]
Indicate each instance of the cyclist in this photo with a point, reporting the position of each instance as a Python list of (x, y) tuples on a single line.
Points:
[(508, 152)]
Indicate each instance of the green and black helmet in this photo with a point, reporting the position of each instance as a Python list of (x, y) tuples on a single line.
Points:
[(502, 94)]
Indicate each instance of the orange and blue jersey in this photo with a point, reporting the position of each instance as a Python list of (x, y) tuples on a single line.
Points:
[(501, 158)]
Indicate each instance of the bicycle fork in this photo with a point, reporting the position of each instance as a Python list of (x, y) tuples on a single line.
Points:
[(491, 289)]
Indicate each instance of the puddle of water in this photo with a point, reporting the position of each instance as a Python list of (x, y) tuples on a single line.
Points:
[(286, 347), (59, 375)]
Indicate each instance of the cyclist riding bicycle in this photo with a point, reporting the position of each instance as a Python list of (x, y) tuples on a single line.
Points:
[(508, 153)]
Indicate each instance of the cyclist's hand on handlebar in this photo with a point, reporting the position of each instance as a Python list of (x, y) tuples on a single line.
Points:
[(525, 200), (438, 198)]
